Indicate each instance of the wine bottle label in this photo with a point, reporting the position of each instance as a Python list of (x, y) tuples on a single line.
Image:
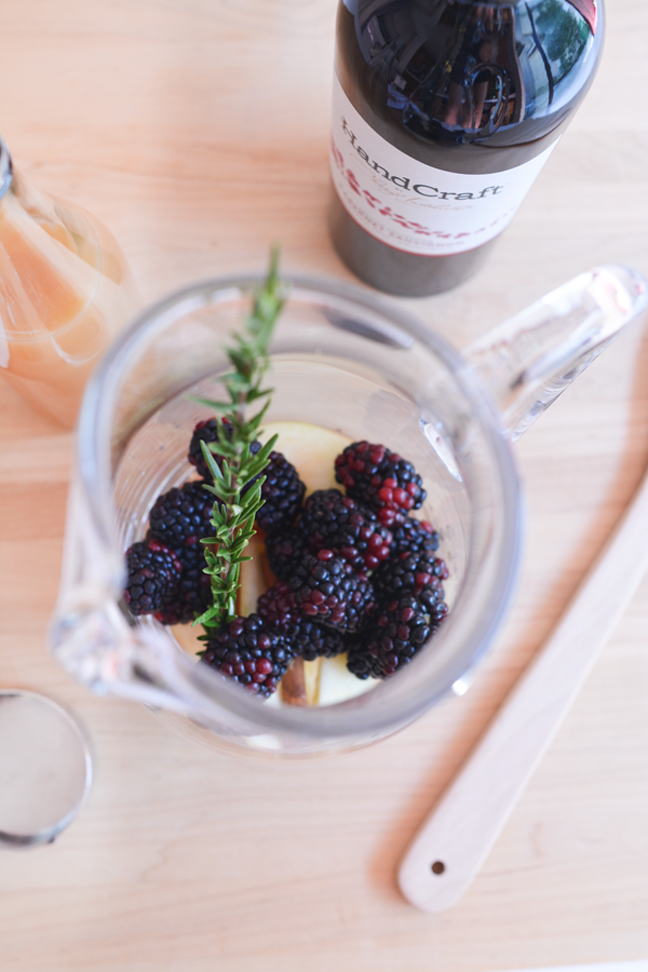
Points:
[(415, 207)]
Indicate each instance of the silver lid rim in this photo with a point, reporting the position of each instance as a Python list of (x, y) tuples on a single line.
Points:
[(6, 169)]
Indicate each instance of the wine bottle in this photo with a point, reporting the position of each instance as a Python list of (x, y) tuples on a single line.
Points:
[(444, 112)]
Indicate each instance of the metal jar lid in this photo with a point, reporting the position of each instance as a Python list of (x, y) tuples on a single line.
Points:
[(45, 768)]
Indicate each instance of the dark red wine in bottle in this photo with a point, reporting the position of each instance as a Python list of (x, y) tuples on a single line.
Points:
[(444, 113)]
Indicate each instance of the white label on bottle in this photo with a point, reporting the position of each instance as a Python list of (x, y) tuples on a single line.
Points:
[(415, 207)]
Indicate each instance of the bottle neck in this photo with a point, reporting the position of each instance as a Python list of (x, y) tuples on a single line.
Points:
[(5, 169)]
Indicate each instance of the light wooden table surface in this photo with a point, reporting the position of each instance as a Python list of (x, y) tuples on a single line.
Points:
[(198, 131)]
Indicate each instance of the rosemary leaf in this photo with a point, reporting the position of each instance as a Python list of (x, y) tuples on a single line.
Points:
[(237, 472)]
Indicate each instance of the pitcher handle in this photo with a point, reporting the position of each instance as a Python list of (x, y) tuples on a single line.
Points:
[(530, 359)]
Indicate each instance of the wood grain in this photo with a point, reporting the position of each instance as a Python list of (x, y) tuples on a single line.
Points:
[(198, 131), (455, 840)]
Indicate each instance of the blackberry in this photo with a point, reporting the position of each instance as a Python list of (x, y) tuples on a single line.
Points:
[(153, 573), (207, 431), (181, 517), (285, 551), (309, 640), (306, 639), (325, 587), (277, 607), (430, 597), (401, 629), (192, 595), (249, 653), (282, 492), (414, 536), (380, 478), (410, 571), (339, 523)]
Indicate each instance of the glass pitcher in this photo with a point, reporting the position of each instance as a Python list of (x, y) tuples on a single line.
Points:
[(65, 291), (349, 362)]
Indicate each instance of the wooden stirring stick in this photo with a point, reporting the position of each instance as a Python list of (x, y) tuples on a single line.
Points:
[(293, 684), (454, 841)]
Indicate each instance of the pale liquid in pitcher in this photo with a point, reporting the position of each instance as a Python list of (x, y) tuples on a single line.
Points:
[(65, 291)]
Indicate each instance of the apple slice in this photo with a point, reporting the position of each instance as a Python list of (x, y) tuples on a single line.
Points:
[(311, 449), (254, 581), (312, 676), (187, 636), (337, 683)]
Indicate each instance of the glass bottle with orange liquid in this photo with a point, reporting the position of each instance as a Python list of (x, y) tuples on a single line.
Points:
[(65, 291)]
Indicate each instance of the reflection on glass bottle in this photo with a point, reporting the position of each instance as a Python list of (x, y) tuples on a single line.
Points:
[(472, 71), (439, 107), (65, 291), (463, 71)]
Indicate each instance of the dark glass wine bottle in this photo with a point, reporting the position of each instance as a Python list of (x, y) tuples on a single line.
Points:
[(444, 112)]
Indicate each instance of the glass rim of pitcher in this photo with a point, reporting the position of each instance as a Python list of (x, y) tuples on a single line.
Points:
[(93, 455)]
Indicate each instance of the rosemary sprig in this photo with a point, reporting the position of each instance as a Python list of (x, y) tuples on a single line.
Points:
[(235, 507)]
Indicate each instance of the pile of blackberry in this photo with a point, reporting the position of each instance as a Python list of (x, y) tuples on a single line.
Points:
[(358, 569), (356, 573), (165, 571), (174, 595)]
